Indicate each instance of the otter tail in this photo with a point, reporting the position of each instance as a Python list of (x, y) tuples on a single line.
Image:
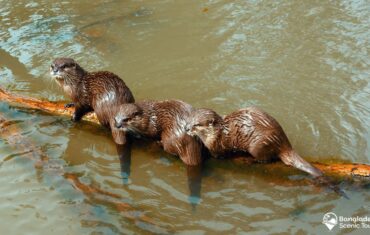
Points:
[(291, 158)]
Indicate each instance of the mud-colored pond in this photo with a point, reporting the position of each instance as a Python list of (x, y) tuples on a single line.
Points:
[(305, 62)]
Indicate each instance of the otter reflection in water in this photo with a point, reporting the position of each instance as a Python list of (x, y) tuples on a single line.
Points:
[(194, 173), (89, 143), (102, 153), (124, 155)]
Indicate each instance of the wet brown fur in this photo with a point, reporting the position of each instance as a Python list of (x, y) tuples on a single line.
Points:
[(164, 121), (102, 92), (249, 130)]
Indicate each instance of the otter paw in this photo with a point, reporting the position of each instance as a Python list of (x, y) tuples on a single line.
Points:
[(75, 118), (69, 105)]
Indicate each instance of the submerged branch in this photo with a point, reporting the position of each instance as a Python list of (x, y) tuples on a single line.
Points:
[(57, 108)]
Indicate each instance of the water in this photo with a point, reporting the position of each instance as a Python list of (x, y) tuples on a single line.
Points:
[(306, 63)]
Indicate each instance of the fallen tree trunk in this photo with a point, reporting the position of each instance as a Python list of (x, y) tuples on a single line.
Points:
[(57, 108)]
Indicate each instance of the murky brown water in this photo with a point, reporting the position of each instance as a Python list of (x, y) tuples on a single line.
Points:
[(305, 62)]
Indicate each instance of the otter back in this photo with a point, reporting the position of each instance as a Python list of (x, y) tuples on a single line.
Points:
[(166, 121)]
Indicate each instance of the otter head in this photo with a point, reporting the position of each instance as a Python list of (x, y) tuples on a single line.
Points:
[(129, 118), (66, 70), (205, 124)]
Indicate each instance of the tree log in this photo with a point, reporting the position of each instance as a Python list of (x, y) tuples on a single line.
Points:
[(56, 108), (361, 171)]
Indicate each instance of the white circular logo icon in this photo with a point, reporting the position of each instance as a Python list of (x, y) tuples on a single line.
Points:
[(330, 219)]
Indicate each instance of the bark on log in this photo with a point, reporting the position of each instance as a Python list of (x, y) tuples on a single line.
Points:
[(57, 108)]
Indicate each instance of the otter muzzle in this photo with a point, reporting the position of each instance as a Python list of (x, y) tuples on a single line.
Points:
[(118, 124)]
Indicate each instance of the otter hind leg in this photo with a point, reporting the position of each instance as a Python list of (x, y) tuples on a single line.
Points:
[(262, 153)]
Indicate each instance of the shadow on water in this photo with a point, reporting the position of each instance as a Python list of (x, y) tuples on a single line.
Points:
[(18, 69), (124, 155), (50, 168), (194, 173)]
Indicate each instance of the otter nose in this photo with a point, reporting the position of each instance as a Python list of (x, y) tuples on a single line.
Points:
[(118, 122), (54, 68), (187, 128)]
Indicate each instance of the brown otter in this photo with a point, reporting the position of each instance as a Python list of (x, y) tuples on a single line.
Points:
[(249, 130), (102, 92), (164, 121)]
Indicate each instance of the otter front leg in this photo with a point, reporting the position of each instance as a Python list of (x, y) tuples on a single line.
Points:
[(119, 136), (191, 153), (80, 111), (188, 148)]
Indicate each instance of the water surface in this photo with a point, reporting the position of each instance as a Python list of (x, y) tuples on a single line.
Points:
[(306, 63)]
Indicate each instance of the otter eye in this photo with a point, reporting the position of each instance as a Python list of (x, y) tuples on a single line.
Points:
[(197, 124), (63, 66), (126, 119), (136, 113), (211, 122)]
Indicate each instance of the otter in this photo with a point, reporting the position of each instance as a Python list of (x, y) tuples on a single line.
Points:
[(248, 130), (102, 92), (164, 121)]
